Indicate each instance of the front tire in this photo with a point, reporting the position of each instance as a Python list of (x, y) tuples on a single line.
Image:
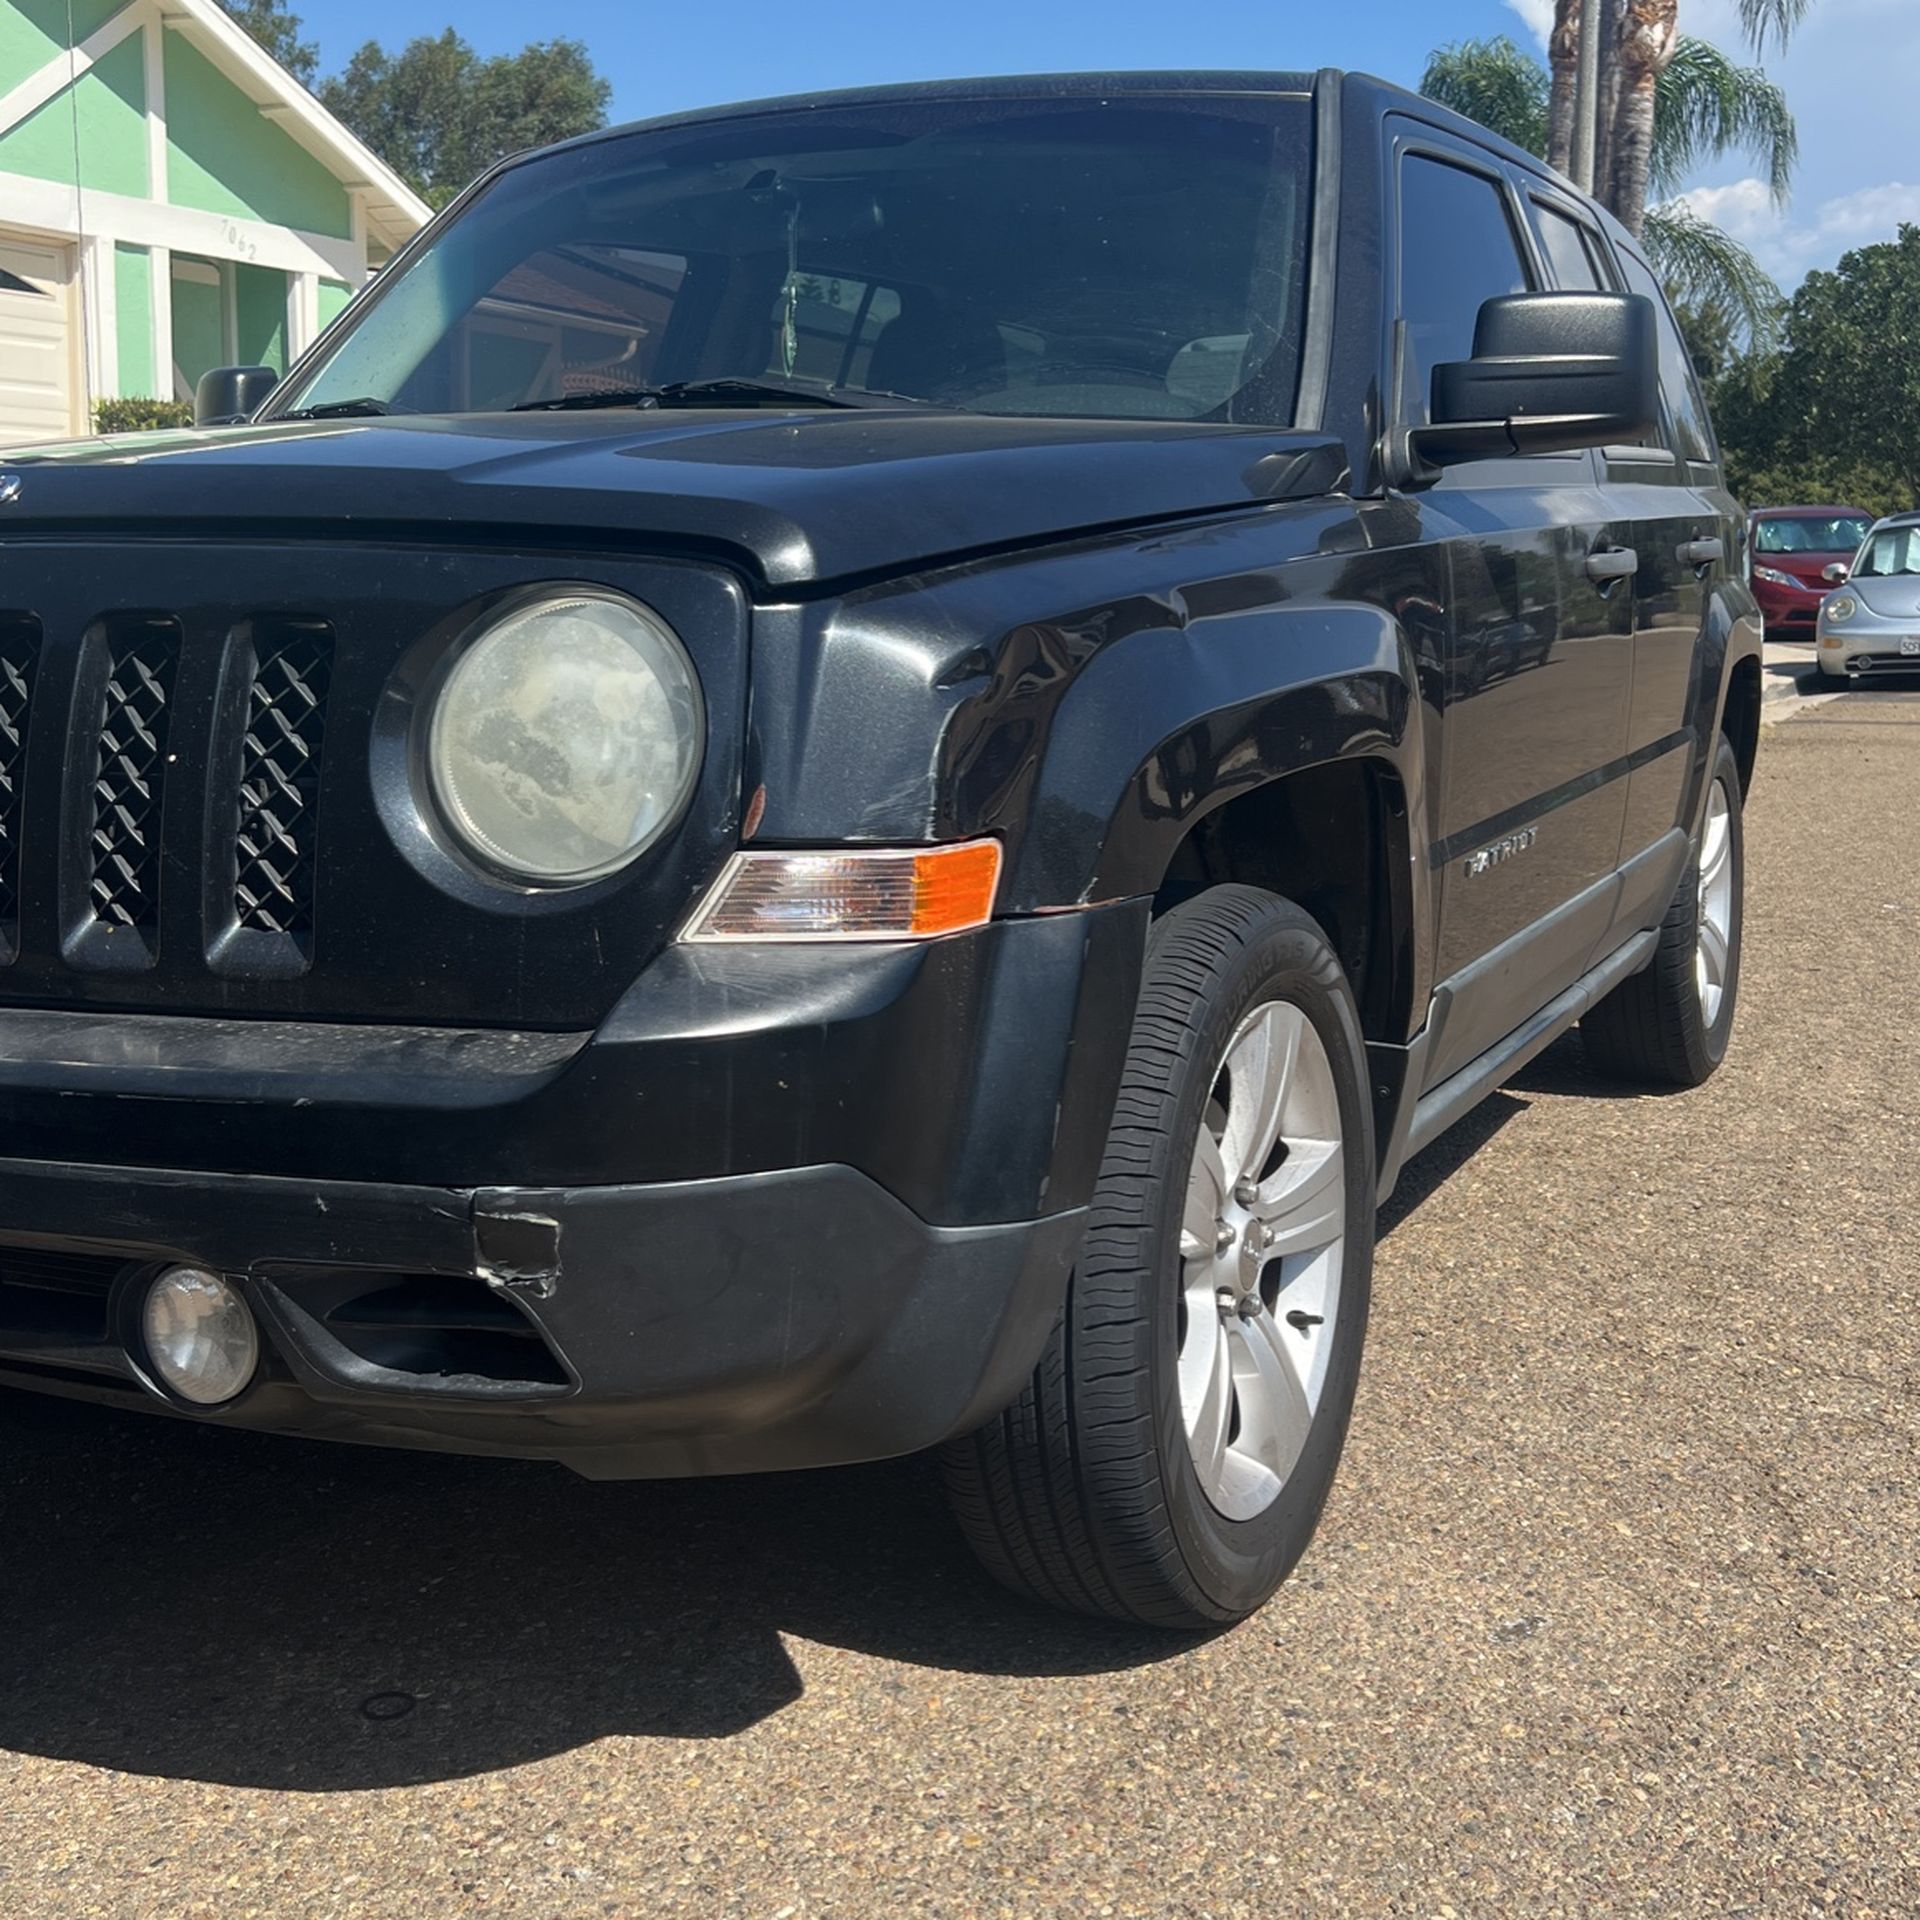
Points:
[(1168, 1461), (1669, 1024)]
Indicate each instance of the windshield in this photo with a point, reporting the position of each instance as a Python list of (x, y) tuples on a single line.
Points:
[(1138, 258), (1889, 551), (1841, 534)]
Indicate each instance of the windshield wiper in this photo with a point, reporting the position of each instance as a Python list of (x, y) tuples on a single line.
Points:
[(364, 406), (728, 391)]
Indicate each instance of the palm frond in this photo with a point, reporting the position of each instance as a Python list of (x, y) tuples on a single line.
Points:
[(1760, 18), (1708, 105), (1703, 265), (1494, 82)]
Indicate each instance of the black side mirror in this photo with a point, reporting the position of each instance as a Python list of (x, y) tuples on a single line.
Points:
[(1550, 372), (230, 395), (1836, 573)]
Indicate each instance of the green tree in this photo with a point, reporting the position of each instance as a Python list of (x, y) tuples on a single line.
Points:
[(278, 31), (1835, 413), (439, 114), (1709, 331)]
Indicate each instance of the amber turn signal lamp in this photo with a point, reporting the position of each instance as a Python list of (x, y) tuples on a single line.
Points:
[(852, 893)]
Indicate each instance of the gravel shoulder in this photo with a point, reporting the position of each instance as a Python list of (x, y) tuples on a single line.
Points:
[(1615, 1610)]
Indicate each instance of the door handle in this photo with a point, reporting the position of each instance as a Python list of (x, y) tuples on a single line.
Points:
[(1702, 553), (1612, 563)]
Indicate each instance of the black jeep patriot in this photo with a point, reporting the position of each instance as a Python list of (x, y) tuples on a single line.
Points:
[(851, 774)]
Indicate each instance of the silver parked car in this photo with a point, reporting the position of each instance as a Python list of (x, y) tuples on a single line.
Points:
[(1872, 623)]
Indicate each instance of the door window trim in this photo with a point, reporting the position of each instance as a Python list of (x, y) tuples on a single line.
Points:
[(1407, 137), (1591, 238)]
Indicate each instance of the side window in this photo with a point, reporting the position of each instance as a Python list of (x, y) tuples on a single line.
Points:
[(1457, 249), (1693, 439), (1569, 251)]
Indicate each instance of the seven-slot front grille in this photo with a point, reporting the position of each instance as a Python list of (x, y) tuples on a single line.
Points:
[(159, 722), (19, 654), (130, 776), (280, 778)]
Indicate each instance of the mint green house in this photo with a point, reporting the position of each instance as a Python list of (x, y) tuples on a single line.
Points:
[(170, 200)]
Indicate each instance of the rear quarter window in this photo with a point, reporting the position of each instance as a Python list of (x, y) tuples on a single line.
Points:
[(1572, 251)]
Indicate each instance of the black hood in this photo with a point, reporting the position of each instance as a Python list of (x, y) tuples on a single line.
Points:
[(794, 498)]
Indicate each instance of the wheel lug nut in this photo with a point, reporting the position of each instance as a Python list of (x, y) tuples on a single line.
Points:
[(1245, 1192), (1223, 1238)]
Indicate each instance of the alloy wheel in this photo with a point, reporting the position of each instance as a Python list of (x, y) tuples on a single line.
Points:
[(1261, 1246), (1715, 912)]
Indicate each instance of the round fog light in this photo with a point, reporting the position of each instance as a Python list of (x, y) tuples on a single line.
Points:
[(201, 1340)]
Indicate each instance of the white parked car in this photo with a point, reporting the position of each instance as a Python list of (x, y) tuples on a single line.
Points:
[(1872, 623)]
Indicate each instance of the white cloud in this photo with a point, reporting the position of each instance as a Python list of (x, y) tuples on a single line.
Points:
[(1538, 15), (1745, 209), (1787, 247)]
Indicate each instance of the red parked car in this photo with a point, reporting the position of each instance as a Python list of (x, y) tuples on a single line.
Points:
[(1791, 549)]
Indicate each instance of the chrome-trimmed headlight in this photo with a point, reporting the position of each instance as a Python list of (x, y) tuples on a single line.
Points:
[(1774, 576), (1839, 610), (566, 737)]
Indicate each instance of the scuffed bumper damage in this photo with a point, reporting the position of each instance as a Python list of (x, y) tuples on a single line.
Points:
[(769, 1320)]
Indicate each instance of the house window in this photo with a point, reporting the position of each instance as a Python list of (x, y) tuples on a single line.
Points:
[(225, 315)]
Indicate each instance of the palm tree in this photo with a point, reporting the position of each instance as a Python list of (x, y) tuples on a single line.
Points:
[(1705, 105), (1563, 58), (1645, 45), (1649, 35)]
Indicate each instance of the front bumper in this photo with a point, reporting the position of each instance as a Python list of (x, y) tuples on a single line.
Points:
[(1789, 612), (773, 1320), (1861, 647), (786, 1208)]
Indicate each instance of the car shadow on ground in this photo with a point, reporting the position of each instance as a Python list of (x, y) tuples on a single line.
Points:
[(230, 1607), (234, 1608)]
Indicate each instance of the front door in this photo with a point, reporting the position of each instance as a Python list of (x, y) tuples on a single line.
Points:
[(1530, 811)]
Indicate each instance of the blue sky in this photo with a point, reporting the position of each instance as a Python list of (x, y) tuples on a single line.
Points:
[(1852, 74)]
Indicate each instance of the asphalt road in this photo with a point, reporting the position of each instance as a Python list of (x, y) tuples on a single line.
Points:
[(1615, 1611)]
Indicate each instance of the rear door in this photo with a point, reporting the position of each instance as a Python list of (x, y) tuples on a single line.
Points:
[(1540, 662), (1668, 487)]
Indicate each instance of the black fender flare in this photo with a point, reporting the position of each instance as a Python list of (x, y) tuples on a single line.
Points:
[(1729, 635)]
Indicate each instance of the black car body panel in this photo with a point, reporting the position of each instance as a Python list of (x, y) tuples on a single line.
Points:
[(791, 501), (518, 1169)]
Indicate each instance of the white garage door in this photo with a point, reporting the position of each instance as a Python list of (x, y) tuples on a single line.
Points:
[(36, 344)]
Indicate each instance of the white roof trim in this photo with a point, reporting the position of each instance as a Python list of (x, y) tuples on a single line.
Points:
[(393, 205), (64, 69)]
